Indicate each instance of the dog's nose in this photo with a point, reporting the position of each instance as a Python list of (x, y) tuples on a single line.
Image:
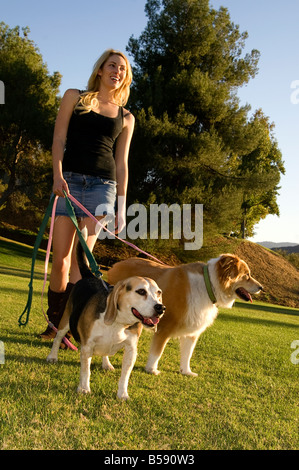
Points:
[(160, 309)]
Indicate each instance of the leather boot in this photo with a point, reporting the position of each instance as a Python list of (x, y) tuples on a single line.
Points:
[(56, 303)]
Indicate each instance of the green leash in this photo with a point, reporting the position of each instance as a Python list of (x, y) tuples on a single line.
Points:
[(92, 262), (35, 250)]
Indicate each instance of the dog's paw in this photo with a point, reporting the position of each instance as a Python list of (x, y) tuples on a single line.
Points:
[(52, 360), (83, 391), (189, 373), (123, 396), (106, 364), (108, 367), (152, 371)]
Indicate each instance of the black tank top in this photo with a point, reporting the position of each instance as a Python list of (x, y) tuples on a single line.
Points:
[(90, 144)]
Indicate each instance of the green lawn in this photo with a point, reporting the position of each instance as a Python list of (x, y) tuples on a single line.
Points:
[(245, 395)]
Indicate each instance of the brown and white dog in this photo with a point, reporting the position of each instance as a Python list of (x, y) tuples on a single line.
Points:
[(106, 322), (191, 294)]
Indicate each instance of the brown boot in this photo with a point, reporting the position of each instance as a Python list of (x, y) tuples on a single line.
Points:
[(67, 293), (56, 303)]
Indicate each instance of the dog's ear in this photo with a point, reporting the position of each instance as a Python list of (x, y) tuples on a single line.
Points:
[(228, 267), (112, 301)]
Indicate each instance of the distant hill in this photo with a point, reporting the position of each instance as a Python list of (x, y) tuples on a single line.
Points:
[(273, 245), (288, 249)]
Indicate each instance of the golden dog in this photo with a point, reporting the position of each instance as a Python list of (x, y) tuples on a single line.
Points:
[(191, 294)]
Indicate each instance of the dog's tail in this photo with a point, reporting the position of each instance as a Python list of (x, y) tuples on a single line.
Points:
[(81, 258)]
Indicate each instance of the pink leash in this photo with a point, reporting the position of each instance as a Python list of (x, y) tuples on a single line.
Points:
[(111, 233), (65, 340)]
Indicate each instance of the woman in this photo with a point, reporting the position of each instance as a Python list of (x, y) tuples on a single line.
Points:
[(90, 151)]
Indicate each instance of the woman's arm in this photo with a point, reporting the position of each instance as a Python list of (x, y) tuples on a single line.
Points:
[(67, 105), (121, 161)]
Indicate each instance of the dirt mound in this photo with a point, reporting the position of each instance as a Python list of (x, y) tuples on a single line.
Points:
[(279, 278), (110, 252)]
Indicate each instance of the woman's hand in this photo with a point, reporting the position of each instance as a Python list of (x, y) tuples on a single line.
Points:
[(120, 222), (60, 185)]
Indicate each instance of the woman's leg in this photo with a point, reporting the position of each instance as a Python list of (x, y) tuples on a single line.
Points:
[(63, 240), (75, 275), (59, 288)]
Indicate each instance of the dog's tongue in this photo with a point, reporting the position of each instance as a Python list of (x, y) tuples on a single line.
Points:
[(244, 294), (151, 321), (145, 320)]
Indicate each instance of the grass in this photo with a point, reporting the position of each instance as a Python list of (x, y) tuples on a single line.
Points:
[(245, 395)]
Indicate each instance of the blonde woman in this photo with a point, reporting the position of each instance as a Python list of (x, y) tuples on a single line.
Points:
[(90, 151)]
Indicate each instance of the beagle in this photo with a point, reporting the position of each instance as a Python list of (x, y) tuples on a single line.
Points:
[(105, 319)]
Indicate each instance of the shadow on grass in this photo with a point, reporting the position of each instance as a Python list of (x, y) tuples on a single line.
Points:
[(25, 273), (29, 339), (38, 360), (16, 249), (268, 308), (257, 321)]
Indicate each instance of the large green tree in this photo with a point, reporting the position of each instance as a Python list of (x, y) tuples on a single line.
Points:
[(194, 142), (26, 119)]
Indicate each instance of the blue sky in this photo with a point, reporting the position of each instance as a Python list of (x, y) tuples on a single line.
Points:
[(71, 35)]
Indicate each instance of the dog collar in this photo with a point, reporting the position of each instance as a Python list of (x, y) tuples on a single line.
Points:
[(208, 284)]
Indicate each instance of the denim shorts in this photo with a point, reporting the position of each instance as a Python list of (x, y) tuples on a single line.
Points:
[(96, 194)]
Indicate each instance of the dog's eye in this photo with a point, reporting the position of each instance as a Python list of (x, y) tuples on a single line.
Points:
[(141, 291)]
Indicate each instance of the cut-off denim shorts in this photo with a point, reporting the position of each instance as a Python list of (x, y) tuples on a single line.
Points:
[(96, 194)]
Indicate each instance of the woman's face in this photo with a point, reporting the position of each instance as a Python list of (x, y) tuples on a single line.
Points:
[(113, 72)]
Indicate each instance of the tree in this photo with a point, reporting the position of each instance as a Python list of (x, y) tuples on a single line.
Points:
[(263, 165), (27, 117), (193, 139)]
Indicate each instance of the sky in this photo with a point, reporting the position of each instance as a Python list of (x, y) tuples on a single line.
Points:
[(71, 35)]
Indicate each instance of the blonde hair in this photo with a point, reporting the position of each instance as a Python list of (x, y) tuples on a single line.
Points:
[(121, 94)]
